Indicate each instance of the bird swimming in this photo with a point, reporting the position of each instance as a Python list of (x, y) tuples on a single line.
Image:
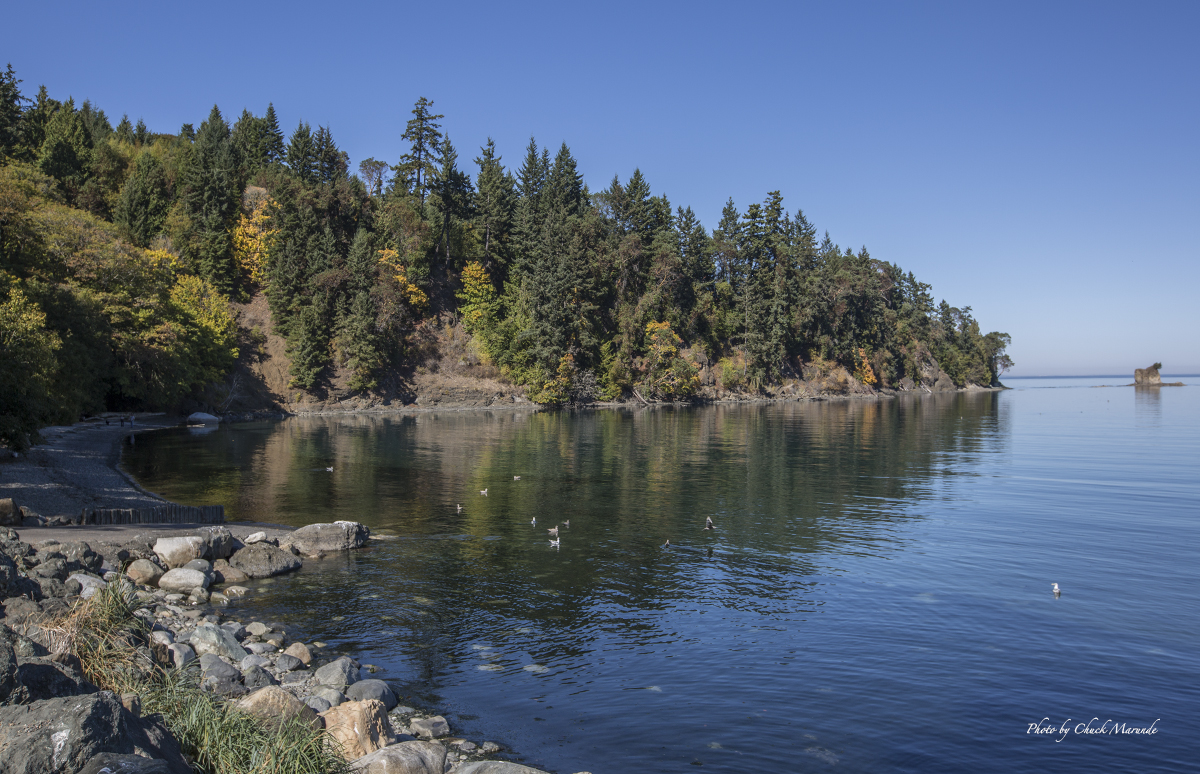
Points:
[(483, 492), (329, 469), (667, 544), (567, 523), (533, 521), (555, 542), (516, 478), (553, 531), (708, 523), (460, 507), (1057, 590)]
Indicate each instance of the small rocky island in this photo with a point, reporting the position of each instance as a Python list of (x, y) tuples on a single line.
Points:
[(1148, 377)]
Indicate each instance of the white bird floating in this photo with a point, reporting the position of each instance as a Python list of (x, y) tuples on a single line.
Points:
[(516, 478), (483, 492), (708, 523), (553, 531), (1057, 590), (460, 507), (533, 521), (329, 469), (567, 524), (554, 542)]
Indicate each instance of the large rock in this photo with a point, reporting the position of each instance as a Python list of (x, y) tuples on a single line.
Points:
[(361, 727), (372, 689), (429, 728), (319, 539), (202, 418), (144, 571), (80, 556), (44, 678), (182, 580), (62, 735), (1148, 376), (219, 541), (178, 551), (210, 638), (256, 677), (300, 651), (89, 583), (224, 573), (338, 673), (274, 704), (11, 690), (262, 560), (496, 767), (404, 758), (10, 514)]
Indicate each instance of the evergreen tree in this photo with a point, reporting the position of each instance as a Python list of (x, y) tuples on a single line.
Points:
[(212, 199), (494, 204), (418, 167), (141, 133), (125, 130), (95, 122), (331, 163), (66, 151), (273, 149), (454, 190), (301, 154), (248, 137), (12, 130), (531, 179), (144, 202)]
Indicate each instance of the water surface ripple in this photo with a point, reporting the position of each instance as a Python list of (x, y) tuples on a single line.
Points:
[(876, 596)]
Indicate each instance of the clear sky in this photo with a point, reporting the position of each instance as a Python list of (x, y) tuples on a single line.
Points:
[(1036, 161)]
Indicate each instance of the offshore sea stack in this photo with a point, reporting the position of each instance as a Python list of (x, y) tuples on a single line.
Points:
[(1147, 376)]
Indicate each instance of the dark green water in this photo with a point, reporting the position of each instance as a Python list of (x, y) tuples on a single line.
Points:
[(877, 596)]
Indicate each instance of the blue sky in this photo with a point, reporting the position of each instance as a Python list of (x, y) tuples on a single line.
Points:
[(1036, 161)]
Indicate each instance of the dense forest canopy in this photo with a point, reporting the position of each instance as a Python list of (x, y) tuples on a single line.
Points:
[(121, 250)]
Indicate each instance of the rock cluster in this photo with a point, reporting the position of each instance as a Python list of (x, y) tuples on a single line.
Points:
[(53, 720)]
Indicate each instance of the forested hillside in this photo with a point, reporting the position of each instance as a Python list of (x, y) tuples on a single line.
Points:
[(121, 250)]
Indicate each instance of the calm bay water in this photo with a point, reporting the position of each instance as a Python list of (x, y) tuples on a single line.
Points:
[(877, 597)]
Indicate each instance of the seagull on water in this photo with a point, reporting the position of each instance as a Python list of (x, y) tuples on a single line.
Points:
[(567, 524), (533, 521), (329, 469), (554, 542), (667, 544), (553, 531), (516, 478), (460, 507), (1057, 590), (708, 523), (483, 492)]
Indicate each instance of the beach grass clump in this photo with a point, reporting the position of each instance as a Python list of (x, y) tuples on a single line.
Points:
[(108, 636)]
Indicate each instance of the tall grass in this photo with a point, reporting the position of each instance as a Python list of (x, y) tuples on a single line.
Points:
[(107, 635)]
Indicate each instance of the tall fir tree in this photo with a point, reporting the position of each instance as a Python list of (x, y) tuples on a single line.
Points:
[(145, 200), (419, 166), (454, 194), (494, 206), (212, 200), (274, 151), (301, 154)]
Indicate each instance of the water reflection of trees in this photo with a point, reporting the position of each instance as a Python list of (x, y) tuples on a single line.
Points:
[(787, 484)]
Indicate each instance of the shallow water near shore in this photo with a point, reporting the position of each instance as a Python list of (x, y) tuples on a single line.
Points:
[(876, 595)]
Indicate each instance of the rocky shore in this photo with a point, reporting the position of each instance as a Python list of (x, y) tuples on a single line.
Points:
[(54, 719)]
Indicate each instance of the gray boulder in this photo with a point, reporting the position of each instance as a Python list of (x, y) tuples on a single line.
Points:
[(182, 580), (286, 663), (65, 734), (11, 690), (219, 541), (331, 695), (219, 677), (317, 704), (372, 689), (203, 565), (262, 560), (90, 584), (181, 654), (178, 551), (318, 539), (253, 660), (47, 679), (210, 638), (81, 556), (338, 673), (256, 677), (404, 758), (429, 728)]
